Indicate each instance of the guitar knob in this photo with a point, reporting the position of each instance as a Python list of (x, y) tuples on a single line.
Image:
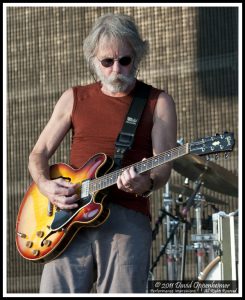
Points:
[(35, 252), (47, 243), (22, 235), (40, 233), (29, 244)]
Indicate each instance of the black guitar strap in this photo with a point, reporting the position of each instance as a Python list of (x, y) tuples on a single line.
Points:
[(126, 136)]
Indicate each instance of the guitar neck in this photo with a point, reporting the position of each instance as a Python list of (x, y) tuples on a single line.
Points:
[(140, 167)]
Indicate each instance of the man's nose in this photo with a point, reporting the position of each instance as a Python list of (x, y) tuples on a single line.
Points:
[(116, 67)]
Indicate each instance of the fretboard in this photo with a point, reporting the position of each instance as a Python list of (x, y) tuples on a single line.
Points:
[(140, 167)]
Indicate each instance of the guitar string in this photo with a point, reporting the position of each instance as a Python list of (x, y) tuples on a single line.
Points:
[(111, 176), (97, 183), (150, 161)]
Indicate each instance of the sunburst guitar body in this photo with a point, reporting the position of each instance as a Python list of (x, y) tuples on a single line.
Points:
[(42, 231)]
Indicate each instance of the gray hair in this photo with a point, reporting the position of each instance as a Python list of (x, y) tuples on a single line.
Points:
[(120, 27)]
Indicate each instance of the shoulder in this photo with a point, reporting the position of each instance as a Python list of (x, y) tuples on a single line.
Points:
[(64, 106), (166, 98), (66, 99), (165, 105)]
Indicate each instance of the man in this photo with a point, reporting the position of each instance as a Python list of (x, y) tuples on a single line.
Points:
[(115, 254)]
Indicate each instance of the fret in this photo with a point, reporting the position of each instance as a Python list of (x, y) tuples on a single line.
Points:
[(144, 167), (155, 161), (149, 164), (140, 167)]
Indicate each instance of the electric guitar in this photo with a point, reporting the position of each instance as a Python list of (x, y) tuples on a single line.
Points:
[(43, 231)]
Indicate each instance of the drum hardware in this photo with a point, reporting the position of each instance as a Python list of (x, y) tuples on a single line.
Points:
[(195, 200), (207, 224), (187, 191), (163, 248), (203, 237), (171, 228), (182, 274), (214, 177), (209, 245), (171, 245)]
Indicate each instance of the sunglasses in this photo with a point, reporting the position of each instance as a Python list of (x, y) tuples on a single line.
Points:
[(123, 61)]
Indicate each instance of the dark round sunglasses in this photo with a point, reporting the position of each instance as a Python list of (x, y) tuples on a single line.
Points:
[(123, 61)]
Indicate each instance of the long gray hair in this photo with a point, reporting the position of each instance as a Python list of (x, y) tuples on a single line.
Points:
[(117, 26)]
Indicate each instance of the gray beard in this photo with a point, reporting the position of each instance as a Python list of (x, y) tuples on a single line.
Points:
[(115, 83)]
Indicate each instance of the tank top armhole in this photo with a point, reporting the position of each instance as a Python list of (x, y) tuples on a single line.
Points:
[(74, 103), (154, 96)]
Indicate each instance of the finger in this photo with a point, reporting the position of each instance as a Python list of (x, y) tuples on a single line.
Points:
[(132, 173), (65, 202), (123, 181), (65, 183), (65, 188), (63, 191), (119, 182), (126, 177), (68, 199), (121, 186), (67, 206)]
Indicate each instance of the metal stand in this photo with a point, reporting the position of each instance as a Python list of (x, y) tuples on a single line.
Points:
[(182, 274), (200, 251), (167, 203), (154, 264), (171, 247)]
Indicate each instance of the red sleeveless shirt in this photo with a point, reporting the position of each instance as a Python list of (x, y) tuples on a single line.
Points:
[(97, 119)]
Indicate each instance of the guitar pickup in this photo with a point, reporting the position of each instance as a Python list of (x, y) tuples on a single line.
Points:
[(85, 188)]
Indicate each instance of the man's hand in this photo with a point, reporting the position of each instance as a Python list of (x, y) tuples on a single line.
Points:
[(61, 193), (132, 182)]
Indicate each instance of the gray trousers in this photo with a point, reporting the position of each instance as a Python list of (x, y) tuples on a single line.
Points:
[(115, 255)]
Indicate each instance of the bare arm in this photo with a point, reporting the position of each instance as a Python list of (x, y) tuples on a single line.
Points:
[(58, 191), (164, 135)]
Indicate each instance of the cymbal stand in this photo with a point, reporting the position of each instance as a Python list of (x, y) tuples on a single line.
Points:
[(199, 246), (172, 226), (162, 251), (171, 268), (174, 255), (182, 272), (170, 237), (164, 211)]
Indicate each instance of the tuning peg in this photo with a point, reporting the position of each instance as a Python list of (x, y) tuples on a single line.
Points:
[(180, 141), (226, 154), (216, 156)]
